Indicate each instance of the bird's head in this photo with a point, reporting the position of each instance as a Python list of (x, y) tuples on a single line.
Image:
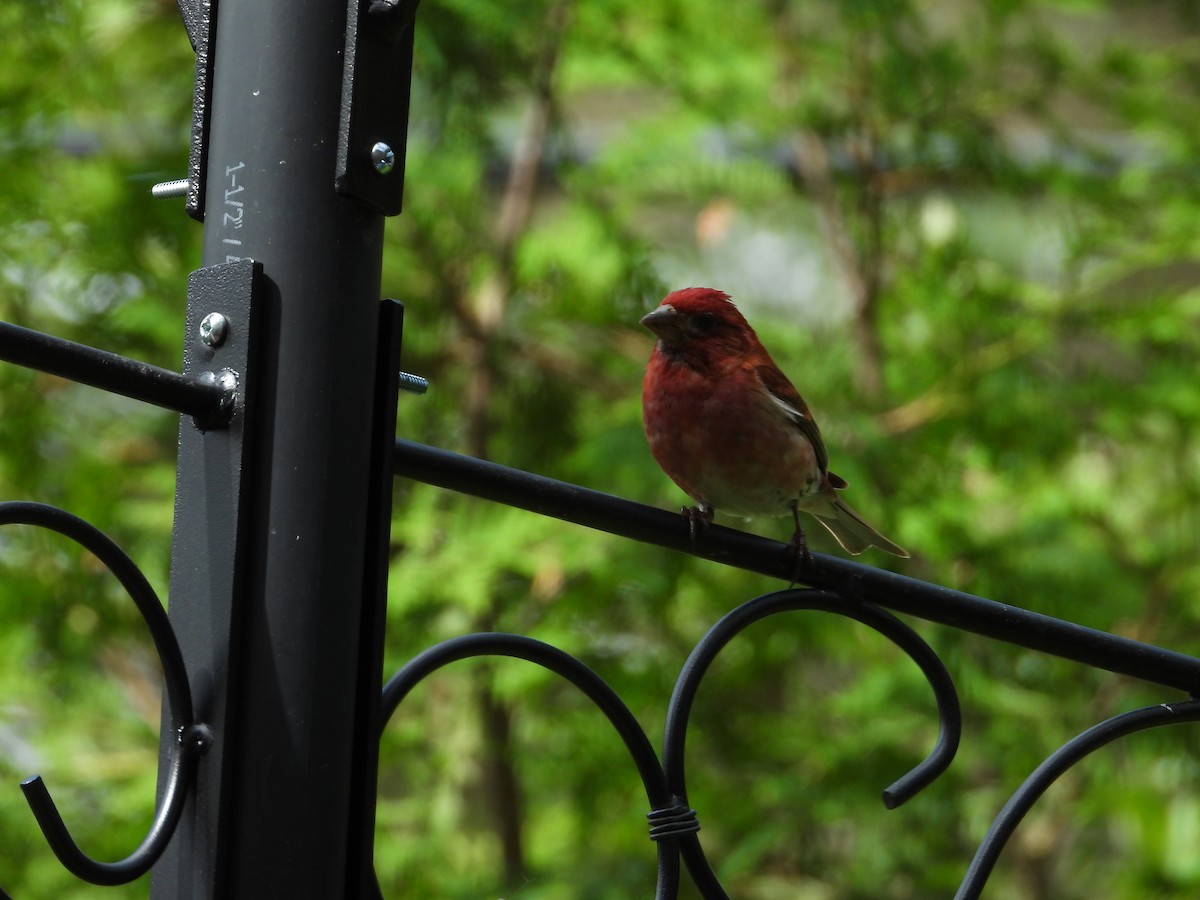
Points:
[(700, 320)]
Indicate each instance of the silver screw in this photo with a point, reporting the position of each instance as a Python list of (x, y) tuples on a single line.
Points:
[(166, 189), (214, 329), (413, 384), (383, 158)]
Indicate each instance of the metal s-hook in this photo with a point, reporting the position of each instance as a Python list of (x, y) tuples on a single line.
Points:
[(1072, 752), (593, 687), (949, 711), (903, 789), (192, 741)]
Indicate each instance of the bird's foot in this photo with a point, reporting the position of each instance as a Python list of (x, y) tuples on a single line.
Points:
[(801, 557), (698, 518)]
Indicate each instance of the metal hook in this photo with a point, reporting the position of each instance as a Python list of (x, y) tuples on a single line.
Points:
[(949, 711), (192, 739), (903, 789), (1052, 768), (574, 671), (548, 657)]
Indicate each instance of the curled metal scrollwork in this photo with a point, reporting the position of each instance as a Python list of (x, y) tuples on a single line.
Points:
[(847, 581), (570, 668), (192, 739), (1052, 768), (733, 623), (673, 823)]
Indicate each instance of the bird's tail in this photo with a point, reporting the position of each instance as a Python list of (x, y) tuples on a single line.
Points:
[(851, 531)]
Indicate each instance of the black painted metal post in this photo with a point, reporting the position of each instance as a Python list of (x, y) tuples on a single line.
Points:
[(279, 806)]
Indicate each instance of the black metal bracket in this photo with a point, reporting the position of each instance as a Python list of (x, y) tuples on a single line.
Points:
[(194, 20), (360, 871), (199, 18), (209, 569), (373, 124)]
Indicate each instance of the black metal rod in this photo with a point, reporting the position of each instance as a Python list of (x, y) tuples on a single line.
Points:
[(1054, 766), (112, 372), (595, 509), (182, 760), (548, 657), (593, 686)]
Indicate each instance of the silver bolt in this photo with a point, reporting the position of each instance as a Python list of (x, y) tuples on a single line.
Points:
[(166, 189), (214, 329), (413, 384), (383, 158)]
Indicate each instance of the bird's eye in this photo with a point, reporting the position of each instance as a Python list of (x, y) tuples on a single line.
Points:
[(704, 323)]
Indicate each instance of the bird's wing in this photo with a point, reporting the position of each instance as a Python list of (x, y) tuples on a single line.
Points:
[(787, 398)]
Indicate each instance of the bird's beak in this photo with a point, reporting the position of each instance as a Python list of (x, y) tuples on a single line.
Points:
[(664, 322)]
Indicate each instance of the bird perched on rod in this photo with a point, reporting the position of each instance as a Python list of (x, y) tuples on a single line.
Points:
[(730, 429)]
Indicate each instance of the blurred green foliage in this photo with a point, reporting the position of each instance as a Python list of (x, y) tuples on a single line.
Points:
[(966, 230)]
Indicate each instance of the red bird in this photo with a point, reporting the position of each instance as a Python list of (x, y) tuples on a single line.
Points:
[(730, 429)]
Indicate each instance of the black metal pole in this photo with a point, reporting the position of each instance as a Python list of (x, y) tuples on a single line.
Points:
[(295, 734)]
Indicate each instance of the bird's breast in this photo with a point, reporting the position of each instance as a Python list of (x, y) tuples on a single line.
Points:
[(724, 442)]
